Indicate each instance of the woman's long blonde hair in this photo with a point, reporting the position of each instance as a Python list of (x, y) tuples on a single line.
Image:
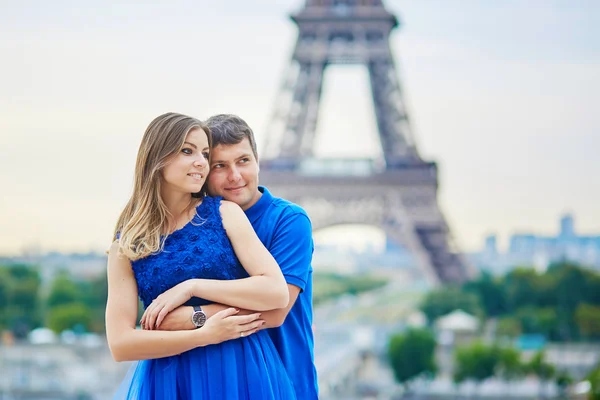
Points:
[(144, 218)]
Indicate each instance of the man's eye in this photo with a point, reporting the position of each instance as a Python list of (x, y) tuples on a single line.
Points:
[(245, 160), (217, 166)]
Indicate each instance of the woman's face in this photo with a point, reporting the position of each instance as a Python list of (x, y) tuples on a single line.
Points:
[(186, 172)]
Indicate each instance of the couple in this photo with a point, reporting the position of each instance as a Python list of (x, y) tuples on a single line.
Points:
[(222, 267)]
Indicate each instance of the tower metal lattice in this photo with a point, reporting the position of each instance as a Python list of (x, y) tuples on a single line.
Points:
[(400, 197)]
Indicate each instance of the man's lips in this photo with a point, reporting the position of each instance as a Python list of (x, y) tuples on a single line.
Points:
[(235, 188)]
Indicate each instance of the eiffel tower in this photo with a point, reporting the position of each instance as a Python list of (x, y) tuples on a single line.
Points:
[(399, 194)]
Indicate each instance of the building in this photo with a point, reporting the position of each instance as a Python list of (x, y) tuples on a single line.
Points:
[(530, 249)]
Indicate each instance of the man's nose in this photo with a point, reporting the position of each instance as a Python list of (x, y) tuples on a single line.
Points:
[(234, 175)]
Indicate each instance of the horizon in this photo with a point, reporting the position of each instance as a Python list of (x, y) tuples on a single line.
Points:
[(379, 242)]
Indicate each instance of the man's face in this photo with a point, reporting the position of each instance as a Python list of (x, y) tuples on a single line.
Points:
[(234, 174)]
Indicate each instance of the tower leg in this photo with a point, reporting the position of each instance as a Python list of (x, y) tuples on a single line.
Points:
[(300, 127), (392, 119)]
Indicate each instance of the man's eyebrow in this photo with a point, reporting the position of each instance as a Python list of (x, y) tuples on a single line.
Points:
[(246, 155), (191, 144)]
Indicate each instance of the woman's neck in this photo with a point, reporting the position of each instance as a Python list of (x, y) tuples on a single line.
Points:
[(180, 207)]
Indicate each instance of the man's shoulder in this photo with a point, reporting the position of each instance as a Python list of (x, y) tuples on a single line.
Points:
[(287, 207)]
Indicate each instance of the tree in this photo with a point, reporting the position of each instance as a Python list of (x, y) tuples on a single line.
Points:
[(63, 291), (594, 379), (490, 293), (509, 365), (412, 354), (476, 361), (4, 297), (22, 312), (540, 368), (69, 316), (447, 299), (587, 318), (593, 290), (539, 320), (95, 294), (570, 290), (522, 288), (508, 327), (563, 380)]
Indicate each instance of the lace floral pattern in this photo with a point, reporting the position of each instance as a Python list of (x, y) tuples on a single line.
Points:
[(201, 249)]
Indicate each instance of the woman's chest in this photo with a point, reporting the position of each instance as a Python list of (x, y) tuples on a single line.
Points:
[(187, 255)]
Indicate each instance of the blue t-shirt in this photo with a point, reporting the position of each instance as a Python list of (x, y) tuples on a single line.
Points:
[(286, 231)]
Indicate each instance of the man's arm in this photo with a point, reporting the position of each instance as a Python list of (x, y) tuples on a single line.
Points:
[(181, 318)]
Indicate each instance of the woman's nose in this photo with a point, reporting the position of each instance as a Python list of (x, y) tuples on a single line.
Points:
[(201, 162)]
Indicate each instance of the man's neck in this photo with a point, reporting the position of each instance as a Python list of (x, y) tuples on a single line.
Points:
[(255, 198)]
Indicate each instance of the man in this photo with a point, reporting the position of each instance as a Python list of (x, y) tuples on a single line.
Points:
[(284, 229)]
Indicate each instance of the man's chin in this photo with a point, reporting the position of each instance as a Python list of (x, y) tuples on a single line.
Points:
[(227, 196)]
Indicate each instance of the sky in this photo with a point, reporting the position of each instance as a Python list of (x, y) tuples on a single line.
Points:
[(503, 95)]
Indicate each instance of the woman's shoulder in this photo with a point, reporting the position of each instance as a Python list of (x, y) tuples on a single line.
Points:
[(210, 201), (230, 209), (219, 203), (208, 205)]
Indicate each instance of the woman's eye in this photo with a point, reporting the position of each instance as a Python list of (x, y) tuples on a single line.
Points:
[(206, 154), (187, 151)]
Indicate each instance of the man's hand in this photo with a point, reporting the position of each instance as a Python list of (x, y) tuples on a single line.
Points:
[(165, 303), (180, 319)]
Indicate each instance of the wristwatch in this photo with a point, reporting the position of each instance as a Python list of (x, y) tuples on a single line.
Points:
[(198, 317)]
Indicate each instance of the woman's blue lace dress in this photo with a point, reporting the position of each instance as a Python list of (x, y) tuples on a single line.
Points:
[(244, 368)]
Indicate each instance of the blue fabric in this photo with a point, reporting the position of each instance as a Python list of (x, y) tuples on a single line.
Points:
[(286, 231), (247, 368)]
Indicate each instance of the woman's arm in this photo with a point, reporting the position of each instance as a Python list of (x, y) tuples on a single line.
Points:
[(265, 289), (128, 343)]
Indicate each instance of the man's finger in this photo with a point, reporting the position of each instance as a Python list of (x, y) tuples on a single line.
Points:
[(245, 319), (228, 312)]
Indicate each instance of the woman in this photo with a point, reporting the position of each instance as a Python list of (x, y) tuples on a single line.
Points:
[(175, 246)]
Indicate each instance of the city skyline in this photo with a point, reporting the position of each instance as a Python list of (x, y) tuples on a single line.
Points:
[(507, 114)]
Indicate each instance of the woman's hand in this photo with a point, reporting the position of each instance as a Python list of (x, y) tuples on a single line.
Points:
[(225, 325), (165, 303)]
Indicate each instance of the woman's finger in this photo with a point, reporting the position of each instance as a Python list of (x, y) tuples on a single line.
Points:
[(161, 316), (145, 314), (147, 311), (248, 333), (152, 316), (252, 325)]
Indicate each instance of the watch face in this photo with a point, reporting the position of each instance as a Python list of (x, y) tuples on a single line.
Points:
[(199, 318)]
